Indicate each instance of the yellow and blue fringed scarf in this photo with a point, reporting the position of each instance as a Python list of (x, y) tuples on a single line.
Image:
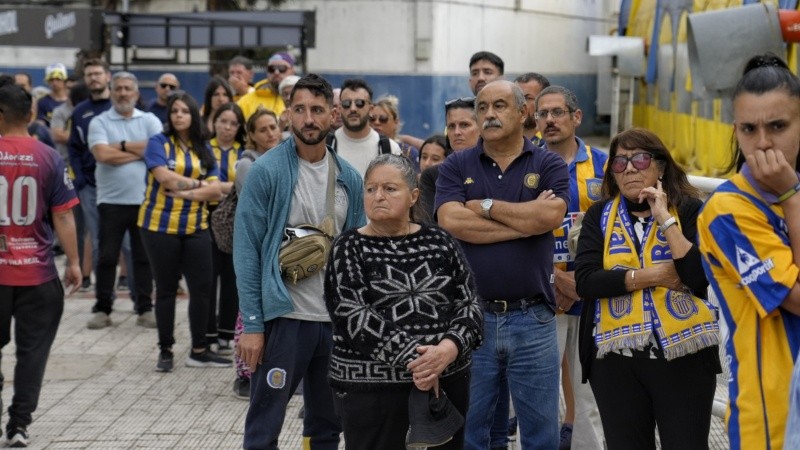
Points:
[(682, 322)]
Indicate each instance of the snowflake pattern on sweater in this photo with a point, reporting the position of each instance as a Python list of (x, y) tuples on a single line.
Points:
[(387, 296)]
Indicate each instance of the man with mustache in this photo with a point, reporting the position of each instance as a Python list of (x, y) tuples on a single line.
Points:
[(557, 117), (287, 331), (117, 139), (356, 141), (502, 199), (532, 84)]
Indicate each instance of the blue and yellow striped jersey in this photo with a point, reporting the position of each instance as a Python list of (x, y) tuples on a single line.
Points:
[(585, 182), (748, 261), (226, 159), (164, 214)]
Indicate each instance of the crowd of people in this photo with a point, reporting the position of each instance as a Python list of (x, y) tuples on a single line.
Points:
[(366, 266)]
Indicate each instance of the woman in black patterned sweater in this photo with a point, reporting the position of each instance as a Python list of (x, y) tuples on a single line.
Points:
[(405, 312)]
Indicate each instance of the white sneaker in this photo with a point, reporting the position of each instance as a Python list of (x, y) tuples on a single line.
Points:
[(99, 321)]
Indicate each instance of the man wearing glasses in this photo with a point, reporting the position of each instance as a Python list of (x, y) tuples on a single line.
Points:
[(557, 117), (356, 141), (266, 92), (167, 84)]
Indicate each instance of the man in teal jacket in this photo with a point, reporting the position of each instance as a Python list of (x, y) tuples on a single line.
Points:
[(287, 331)]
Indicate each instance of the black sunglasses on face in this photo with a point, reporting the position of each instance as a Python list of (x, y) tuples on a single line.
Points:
[(359, 103), (168, 86), (381, 119), (640, 161), (273, 69)]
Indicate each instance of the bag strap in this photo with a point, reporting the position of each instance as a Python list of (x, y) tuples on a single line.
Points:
[(384, 145), (330, 201)]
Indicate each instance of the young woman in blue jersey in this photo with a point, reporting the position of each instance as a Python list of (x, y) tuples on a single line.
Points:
[(226, 144), (648, 344), (749, 235), (182, 177)]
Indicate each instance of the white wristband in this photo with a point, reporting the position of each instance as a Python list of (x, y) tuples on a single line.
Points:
[(668, 223)]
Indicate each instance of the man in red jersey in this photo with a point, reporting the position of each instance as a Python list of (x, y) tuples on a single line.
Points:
[(36, 197)]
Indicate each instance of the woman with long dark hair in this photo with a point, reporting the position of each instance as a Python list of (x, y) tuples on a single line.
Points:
[(182, 177), (218, 92)]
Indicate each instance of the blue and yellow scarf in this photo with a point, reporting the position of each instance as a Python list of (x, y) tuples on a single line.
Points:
[(682, 322)]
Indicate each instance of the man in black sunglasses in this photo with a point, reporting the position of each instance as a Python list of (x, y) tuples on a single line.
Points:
[(356, 141), (166, 85), (266, 93)]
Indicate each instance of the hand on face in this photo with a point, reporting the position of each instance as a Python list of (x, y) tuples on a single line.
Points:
[(772, 171), (657, 199)]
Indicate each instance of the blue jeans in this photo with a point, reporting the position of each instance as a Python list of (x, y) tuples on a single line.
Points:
[(91, 219), (521, 343), (792, 439)]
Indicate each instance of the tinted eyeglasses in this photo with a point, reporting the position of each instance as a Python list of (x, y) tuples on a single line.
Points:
[(557, 113), (168, 86), (273, 69), (381, 119), (461, 102), (360, 103), (640, 161)]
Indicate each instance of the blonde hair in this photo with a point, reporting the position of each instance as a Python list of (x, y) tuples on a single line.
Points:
[(392, 104)]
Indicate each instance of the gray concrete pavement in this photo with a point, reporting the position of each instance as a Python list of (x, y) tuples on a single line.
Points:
[(102, 392)]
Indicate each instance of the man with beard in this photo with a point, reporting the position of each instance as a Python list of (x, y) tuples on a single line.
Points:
[(531, 84), (96, 76), (502, 199), (117, 139), (558, 115), (266, 93), (287, 331), (356, 141)]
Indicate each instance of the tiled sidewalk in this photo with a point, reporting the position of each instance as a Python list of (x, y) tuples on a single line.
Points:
[(102, 392)]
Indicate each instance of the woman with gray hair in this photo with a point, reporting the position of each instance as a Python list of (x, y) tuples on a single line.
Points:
[(405, 313)]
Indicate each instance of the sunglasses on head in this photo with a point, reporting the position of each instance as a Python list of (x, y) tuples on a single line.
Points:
[(360, 103), (640, 161), (273, 69), (168, 86), (381, 119), (461, 101)]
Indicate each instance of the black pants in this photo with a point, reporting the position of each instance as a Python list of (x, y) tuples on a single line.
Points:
[(224, 324), (115, 220), (170, 256), (634, 395), (37, 312), (378, 419)]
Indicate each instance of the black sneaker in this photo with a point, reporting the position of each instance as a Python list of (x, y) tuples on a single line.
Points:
[(122, 283), (86, 285), (565, 439), (207, 358), (17, 437), (165, 361), (241, 388)]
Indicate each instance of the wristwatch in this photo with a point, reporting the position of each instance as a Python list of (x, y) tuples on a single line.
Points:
[(122, 146), (486, 208)]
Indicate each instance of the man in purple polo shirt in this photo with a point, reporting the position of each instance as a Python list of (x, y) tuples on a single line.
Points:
[(502, 199)]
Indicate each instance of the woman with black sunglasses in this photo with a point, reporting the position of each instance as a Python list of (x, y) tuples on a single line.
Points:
[(648, 343)]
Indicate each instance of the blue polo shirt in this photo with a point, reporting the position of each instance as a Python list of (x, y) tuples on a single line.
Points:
[(81, 159), (518, 268)]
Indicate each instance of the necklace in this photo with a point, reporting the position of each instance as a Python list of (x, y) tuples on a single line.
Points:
[(389, 237)]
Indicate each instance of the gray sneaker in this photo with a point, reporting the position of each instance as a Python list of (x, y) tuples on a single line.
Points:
[(98, 321), (147, 320)]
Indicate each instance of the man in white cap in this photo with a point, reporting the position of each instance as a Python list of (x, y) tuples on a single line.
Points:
[(55, 75)]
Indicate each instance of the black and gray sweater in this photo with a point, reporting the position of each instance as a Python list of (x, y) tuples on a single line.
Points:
[(386, 296)]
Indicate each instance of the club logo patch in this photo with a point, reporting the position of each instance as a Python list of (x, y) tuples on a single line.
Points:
[(276, 378), (680, 305), (532, 180), (594, 188), (620, 306)]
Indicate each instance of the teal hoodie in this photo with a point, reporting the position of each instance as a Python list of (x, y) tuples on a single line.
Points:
[(261, 216)]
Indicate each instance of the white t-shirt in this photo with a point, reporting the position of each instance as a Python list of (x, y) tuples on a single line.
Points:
[(359, 152)]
